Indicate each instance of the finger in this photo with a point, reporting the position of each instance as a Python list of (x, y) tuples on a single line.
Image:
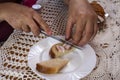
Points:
[(95, 31), (68, 28), (15, 25), (33, 26), (25, 28), (89, 30), (78, 31), (42, 23)]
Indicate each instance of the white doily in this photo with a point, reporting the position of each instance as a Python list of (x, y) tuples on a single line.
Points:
[(13, 54)]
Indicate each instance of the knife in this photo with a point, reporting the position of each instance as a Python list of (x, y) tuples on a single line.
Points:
[(61, 40), (64, 41)]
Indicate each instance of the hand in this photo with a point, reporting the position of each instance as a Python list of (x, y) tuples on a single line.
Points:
[(23, 18), (84, 19)]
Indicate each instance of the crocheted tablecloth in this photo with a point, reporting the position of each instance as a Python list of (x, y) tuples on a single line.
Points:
[(13, 54)]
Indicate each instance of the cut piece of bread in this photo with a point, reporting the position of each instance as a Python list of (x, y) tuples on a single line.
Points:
[(101, 14), (51, 66), (55, 53), (98, 9)]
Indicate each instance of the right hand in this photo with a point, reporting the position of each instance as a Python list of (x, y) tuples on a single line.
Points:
[(23, 18), (82, 15)]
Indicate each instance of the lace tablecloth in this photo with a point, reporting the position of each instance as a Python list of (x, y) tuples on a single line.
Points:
[(13, 54)]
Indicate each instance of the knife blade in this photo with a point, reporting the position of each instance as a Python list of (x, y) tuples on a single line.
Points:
[(61, 40)]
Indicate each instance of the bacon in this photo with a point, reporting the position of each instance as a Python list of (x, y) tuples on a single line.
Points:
[(60, 48), (100, 19), (67, 46)]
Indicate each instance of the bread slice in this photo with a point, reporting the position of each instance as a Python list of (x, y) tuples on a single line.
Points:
[(55, 53), (99, 10), (101, 15), (51, 66)]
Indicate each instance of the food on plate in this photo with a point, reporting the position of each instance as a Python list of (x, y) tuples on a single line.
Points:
[(99, 10), (60, 49), (51, 66)]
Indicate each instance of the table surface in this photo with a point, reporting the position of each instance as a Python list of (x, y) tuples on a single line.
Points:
[(13, 54)]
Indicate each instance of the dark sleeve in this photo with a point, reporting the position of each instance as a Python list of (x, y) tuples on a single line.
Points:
[(5, 31), (16, 1), (5, 28)]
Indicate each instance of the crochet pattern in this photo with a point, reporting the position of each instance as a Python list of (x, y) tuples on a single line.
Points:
[(13, 54)]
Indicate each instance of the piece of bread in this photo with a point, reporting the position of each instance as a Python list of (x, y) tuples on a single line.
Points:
[(101, 14), (98, 9), (51, 66), (55, 52)]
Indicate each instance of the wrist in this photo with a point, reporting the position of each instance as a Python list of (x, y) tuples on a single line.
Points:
[(1, 12)]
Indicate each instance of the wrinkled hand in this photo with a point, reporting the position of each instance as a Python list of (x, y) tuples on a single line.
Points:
[(84, 19), (23, 18)]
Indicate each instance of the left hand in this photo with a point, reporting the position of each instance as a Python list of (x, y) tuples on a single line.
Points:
[(23, 18), (84, 17)]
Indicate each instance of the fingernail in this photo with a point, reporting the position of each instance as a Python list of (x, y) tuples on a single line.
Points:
[(49, 32), (72, 41), (81, 45), (75, 43), (66, 37), (36, 35)]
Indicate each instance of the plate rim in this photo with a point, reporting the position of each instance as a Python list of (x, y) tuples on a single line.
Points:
[(44, 75)]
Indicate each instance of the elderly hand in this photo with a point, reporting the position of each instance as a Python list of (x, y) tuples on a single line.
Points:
[(23, 18), (84, 19)]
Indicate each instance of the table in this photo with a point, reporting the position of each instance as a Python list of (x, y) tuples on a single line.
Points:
[(13, 54)]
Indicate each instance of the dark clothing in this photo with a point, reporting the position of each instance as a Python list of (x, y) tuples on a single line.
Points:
[(5, 31), (18, 1), (5, 28)]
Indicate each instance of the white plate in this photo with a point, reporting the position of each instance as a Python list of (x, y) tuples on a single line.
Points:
[(81, 62)]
